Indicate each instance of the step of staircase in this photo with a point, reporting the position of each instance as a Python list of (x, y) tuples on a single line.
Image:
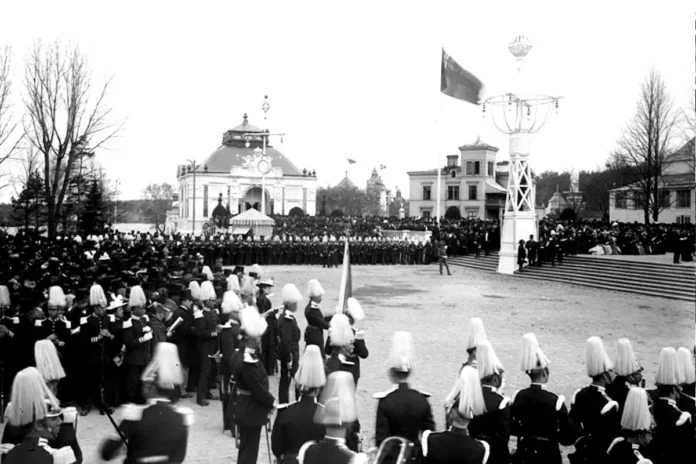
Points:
[(653, 279)]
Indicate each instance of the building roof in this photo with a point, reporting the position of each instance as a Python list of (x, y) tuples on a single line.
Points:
[(250, 217), (684, 154), (668, 181), (478, 145), (346, 183), (494, 187)]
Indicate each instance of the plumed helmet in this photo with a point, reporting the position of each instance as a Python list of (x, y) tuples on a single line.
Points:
[(164, 369), (137, 297), (291, 294), (97, 296), (466, 396), (56, 297), (686, 372), (533, 359), (314, 288), (207, 291), (636, 414), (340, 331), (477, 333), (597, 361), (311, 372), (667, 367), (4, 296), (208, 273), (252, 324), (233, 284), (487, 362), (625, 362), (338, 398), (401, 353), (231, 303), (354, 309), (47, 361), (195, 290)]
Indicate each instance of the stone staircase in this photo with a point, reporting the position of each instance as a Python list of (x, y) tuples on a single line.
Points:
[(655, 279)]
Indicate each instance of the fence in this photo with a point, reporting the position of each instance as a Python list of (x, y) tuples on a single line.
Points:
[(417, 235)]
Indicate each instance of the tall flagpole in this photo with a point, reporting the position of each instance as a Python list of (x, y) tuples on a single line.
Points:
[(440, 133)]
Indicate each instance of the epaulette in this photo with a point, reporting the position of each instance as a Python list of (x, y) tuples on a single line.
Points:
[(608, 407), (197, 314), (559, 402), (83, 320), (68, 325), (683, 419), (424, 442), (112, 318), (361, 458), (303, 450), (487, 450), (575, 393), (285, 405), (69, 415), (188, 415), (38, 322), (248, 358), (384, 394), (614, 443), (424, 393), (504, 403), (132, 412), (127, 324)]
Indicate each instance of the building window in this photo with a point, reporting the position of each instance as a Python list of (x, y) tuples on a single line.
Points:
[(453, 173), (205, 201), (425, 214), (638, 200), (665, 198), (683, 219), (683, 198), (469, 168), (471, 213), (426, 192), (472, 192), (490, 168), (477, 168), (620, 200), (453, 192)]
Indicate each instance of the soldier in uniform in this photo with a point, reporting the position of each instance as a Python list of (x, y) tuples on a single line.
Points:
[(228, 341), (207, 326), (115, 375), (357, 349), (340, 410), (181, 333), (316, 322), (268, 341), (634, 444), (456, 445), (157, 432), (592, 411), (48, 364), (289, 341), (494, 425), (402, 411), (254, 401), (539, 418), (476, 336), (137, 336), (674, 431), (294, 424), (686, 378), (55, 329), (628, 373)]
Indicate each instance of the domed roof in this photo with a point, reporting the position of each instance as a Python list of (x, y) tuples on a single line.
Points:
[(234, 150), (478, 145)]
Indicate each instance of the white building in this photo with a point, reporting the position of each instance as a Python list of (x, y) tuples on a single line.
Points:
[(678, 183), (233, 173), (475, 187)]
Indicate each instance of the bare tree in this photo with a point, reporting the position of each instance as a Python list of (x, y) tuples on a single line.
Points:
[(9, 140), (65, 120), (159, 199), (687, 124), (646, 142)]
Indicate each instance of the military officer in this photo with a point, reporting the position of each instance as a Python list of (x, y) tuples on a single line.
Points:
[(316, 322), (592, 411), (294, 424), (289, 341), (206, 324), (181, 333), (628, 373), (539, 418), (476, 335), (636, 422), (402, 411), (254, 401), (357, 348), (137, 336), (494, 425), (229, 344)]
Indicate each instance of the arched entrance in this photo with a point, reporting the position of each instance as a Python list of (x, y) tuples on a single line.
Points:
[(252, 199), (296, 211), (453, 213)]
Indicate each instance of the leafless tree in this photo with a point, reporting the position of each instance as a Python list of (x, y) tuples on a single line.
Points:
[(645, 143), (65, 120), (687, 125), (159, 198), (9, 137)]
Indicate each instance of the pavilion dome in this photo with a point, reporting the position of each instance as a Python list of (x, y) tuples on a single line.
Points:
[(233, 151)]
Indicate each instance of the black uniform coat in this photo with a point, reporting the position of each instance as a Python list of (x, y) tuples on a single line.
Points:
[(34, 450), (596, 417), (254, 400), (58, 327), (493, 427), (453, 446), (90, 327), (289, 338), (137, 348), (329, 451), (359, 352), (674, 434), (618, 391), (155, 429), (316, 324), (403, 412), (294, 426), (183, 334), (540, 420), (622, 451), (205, 322)]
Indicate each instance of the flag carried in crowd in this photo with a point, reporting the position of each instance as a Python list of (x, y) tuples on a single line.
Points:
[(346, 288), (457, 82), (351, 161)]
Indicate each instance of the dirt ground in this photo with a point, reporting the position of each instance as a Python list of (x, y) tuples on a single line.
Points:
[(436, 310)]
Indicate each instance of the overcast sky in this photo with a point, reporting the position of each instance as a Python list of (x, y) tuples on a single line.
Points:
[(356, 79)]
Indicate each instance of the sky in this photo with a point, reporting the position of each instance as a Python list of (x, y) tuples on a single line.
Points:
[(356, 79)]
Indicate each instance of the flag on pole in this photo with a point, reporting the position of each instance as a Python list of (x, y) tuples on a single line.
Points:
[(457, 82), (381, 166), (346, 289), (351, 161)]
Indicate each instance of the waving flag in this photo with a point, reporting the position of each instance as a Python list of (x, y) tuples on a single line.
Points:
[(381, 166), (351, 161), (346, 289), (457, 82)]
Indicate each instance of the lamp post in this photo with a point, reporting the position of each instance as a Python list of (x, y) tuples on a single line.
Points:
[(192, 166), (519, 115), (117, 183)]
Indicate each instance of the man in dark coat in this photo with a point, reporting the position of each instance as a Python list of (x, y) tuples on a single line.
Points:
[(137, 336), (206, 323), (289, 341), (316, 322), (181, 332), (521, 255)]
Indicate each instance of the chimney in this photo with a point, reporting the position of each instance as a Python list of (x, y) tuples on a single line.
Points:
[(452, 161)]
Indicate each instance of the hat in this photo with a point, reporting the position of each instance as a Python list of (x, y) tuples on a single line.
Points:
[(255, 271), (28, 402), (47, 361), (207, 273), (466, 395), (314, 288), (56, 297), (487, 362), (137, 297), (477, 333), (164, 369), (116, 303), (667, 367), (231, 303), (338, 398), (4, 296), (401, 355), (252, 324), (207, 291), (311, 373), (597, 361), (340, 331), (636, 413), (195, 290), (238, 269), (248, 287), (96, 296), (354, 310), (686, 372), (625, 362), (291, 294), (533, 359), (233, 283), (185, 295), (267, 282)]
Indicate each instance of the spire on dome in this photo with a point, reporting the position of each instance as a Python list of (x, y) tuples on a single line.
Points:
[(246, 119), (478, 140)]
